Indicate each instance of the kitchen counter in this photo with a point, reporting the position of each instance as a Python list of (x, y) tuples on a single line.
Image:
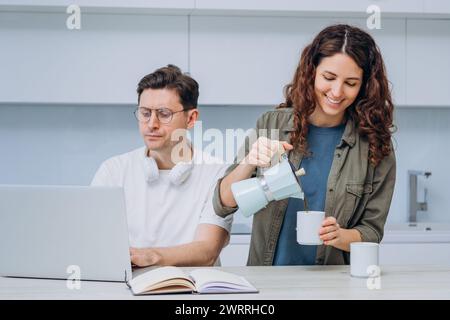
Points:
[(403, 244), (287, 282)]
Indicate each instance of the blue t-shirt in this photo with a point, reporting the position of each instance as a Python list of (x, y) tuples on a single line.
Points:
[(322, 143)]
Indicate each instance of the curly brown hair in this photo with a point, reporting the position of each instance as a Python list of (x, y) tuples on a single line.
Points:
[(372, 110)]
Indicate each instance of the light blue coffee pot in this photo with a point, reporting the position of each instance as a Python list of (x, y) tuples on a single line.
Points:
[(277, 183)]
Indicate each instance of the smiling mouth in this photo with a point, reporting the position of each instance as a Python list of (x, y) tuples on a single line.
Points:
[(335, 102)]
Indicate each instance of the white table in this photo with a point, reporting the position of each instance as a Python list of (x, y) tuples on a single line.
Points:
[(296, 282)]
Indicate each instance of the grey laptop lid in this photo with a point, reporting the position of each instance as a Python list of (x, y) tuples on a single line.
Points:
[(54, 231)]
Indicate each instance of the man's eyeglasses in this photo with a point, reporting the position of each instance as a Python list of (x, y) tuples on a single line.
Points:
[(164, 115)]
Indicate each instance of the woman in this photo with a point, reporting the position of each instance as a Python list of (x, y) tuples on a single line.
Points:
[(336, 123)]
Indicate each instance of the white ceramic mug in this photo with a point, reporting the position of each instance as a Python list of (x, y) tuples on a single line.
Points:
[(308, 226), (364, 259)]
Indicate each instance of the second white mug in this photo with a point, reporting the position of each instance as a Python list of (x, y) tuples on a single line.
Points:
[(364, 259)]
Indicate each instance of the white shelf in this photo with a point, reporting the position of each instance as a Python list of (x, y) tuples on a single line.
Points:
[(132, 103), (157, 7), (318, 8)]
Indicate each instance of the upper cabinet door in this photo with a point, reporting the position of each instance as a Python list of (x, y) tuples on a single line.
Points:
[(436, 6), (391, 40), (248, 60), (428, 62), (41, 60)]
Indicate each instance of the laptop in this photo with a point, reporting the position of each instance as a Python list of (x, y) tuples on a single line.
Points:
[(64, 232)]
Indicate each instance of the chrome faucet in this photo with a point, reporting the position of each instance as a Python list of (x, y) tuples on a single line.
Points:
[(413, 205)]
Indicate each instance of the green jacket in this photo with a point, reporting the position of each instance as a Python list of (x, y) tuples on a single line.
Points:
[(358, 194)]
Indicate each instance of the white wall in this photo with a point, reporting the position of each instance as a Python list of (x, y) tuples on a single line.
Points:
[(66, 144)]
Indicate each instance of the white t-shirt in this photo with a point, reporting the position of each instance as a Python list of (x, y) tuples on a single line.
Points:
[(159, 213)]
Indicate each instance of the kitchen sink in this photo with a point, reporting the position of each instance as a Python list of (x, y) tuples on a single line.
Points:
[(419, 226), (417, 232)]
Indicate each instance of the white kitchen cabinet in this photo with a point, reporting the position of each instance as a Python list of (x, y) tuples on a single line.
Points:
[(248, 60), (415, 254), (41, 61), (436, 7), (234, 255), (397, 248), (428, 63), (295, 7), (391, 40), (390, 254), (236, 252)]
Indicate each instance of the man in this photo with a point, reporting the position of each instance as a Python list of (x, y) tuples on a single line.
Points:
[(168, 184)]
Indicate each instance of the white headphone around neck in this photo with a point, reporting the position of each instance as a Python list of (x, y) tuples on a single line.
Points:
[(178, 174)]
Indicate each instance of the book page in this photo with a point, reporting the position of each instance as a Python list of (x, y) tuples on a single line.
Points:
[(216, 281), (154, 278)]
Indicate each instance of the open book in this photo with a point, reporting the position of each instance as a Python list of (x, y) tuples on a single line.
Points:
[(175, 280)]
